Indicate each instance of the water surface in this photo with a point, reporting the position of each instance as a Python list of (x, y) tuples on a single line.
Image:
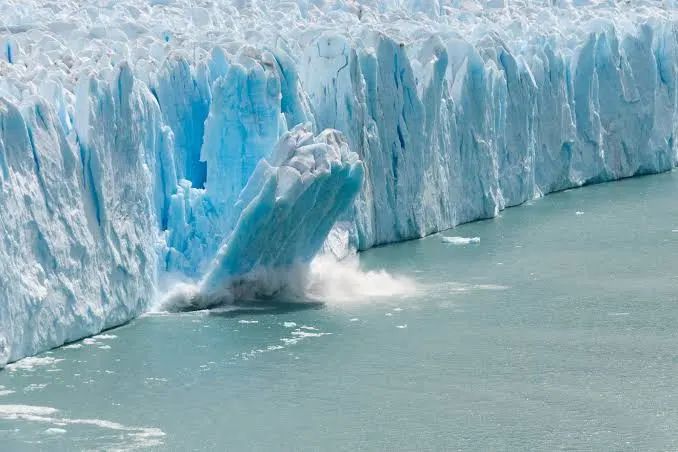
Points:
[(556, 331)]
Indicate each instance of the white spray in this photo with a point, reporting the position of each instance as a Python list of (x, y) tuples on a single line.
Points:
[(325, 279)]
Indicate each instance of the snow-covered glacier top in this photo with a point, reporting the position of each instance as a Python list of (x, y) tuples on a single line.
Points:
[(62, 40), (218, 141)]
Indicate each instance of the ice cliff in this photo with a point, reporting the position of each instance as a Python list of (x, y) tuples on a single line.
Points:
[(214, 139)]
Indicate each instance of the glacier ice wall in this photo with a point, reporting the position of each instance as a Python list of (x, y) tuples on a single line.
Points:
[(77, 217), (139, 139)]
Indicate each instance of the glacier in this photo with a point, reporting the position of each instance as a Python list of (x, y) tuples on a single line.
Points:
[(217, 139)]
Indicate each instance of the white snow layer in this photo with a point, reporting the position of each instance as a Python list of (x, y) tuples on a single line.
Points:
[(139, 138)]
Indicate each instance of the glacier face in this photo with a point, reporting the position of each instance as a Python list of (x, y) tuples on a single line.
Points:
[(146, 138), (76, 219)]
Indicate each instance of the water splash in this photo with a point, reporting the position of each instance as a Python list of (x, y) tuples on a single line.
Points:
[(333, 281), (325, 280)]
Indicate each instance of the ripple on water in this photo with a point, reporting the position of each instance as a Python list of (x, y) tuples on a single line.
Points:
[(129, 437)]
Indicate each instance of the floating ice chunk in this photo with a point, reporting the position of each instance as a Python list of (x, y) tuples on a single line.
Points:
[(72, 346), (4, 392), (299, 335), (35, 387), (271, 348), (29, 364), (133, 437), (17, 411), (461, 240)]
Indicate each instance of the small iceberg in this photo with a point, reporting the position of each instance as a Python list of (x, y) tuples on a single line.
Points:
[(461, 240)]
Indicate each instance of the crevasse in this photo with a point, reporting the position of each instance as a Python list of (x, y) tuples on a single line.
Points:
[(217, 139)]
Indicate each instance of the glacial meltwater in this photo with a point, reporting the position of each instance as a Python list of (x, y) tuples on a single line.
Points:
[(553, 326)]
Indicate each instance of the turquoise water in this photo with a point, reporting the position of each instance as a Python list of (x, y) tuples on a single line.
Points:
[(559, 330)]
